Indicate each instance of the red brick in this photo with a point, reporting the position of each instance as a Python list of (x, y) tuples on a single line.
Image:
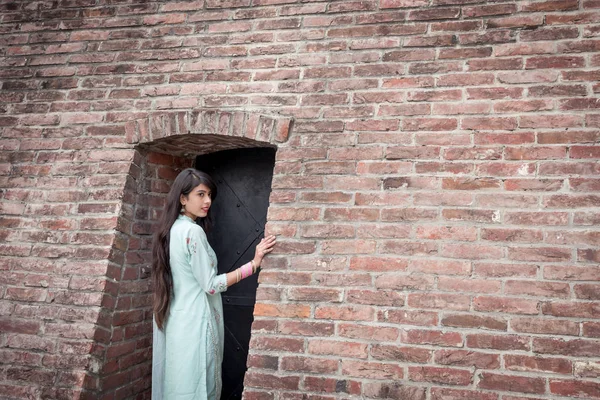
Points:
[(270, 381), (591, 329), (446, 232), (582, 152), (19, 326), (462, 285), (403, 3), (378, 298), (591, 238), (527, 77), (568, 168), (404, 109), (394, 390), (443, 267), (404, 282), (575, 388), (410, 183), (350, 279), (544, 364), (494, 36), (511, 235), (366, 332), (587, 291), (432, 337), (467, 358), (314, 295), (439, 301), (470, 183), (544, 326), (537, 218), (542, 185), (433, 14), (487, 10), (557, 91), (370, 370), (571, 348), (401, 353), (337, 348), (572, 309), (511, 383), (302, 328), (586, 369), (584, 184), (349, 313), (523, 106), (458, 109), (474, 321), (263, 362), (329, 385), (309, 365), (406, 214), (489, 123), (551, 5), (435, 95), (456, 394), (408, 248), (430, 41), (351, 214), (588, 255), (506, 305), (448, 376), (495, 64), (465, 79), (555, 62), (558, 33), (289, 310), (278, 344), (452, 26), (418, 318)]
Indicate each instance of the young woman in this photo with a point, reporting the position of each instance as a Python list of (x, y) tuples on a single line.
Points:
[(188, 313)]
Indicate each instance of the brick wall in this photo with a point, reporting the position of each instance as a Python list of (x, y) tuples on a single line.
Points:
[(436, 202)]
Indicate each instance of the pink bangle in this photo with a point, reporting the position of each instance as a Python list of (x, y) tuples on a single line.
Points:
[(246, 270)]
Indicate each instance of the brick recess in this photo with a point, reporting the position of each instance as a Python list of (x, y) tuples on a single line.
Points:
[(436, 201)]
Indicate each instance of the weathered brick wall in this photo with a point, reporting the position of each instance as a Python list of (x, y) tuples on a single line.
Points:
[(437, 201)]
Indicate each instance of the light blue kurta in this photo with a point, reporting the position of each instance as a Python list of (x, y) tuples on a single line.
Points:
[(187, 356)]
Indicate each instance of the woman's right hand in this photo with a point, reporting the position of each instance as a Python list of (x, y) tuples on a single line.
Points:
[(264, 247)]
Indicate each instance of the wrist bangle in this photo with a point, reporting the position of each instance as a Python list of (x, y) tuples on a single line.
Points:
[(253, 266), (246, 270)]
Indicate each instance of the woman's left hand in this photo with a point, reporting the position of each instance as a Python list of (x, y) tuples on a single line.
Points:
[(264, 247)]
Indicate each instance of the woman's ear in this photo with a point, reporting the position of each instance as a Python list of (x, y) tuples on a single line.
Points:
[(182, 200)]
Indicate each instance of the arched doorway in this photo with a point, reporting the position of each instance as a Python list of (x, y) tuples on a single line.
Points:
[(162, 145)]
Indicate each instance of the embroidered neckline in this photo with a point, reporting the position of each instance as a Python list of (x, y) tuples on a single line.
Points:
[(183, 216)]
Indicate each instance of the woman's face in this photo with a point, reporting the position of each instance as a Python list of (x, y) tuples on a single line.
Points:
[(197, 202)]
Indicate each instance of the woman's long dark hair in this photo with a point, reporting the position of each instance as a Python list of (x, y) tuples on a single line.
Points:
[(162, 277)]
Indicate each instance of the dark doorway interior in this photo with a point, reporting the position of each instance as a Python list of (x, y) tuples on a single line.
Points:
[(243, 178)]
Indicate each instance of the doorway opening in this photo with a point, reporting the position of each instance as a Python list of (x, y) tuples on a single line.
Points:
[(243, 178)]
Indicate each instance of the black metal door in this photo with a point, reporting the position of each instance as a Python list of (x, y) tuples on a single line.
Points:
[(243, 178)]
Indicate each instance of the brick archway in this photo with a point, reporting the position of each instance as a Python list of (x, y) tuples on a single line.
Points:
[(225, 125), (163, 144)]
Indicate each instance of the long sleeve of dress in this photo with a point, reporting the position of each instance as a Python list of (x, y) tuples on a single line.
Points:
[(203, 266)]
